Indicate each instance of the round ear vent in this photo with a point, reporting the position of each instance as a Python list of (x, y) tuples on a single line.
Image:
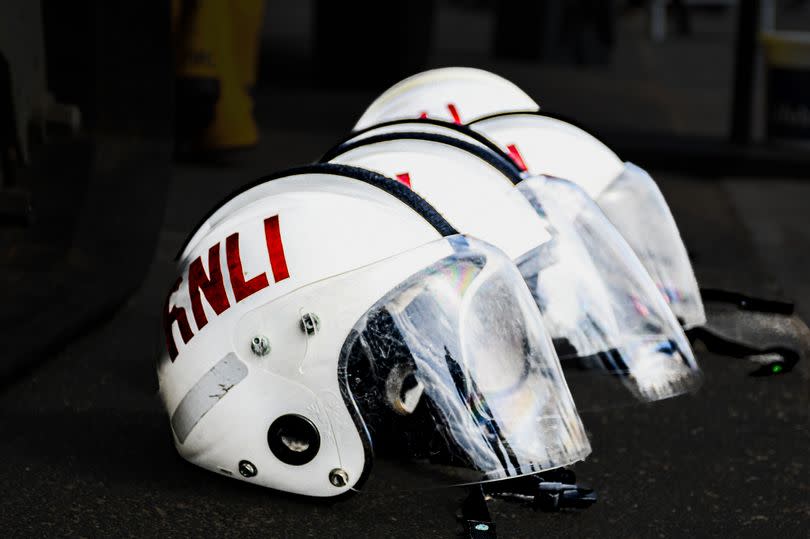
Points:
[(293, 439)]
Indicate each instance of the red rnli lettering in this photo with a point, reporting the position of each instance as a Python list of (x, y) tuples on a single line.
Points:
[(275, 249), (170, 316), (241, 288), (213, 287), (212, 283)]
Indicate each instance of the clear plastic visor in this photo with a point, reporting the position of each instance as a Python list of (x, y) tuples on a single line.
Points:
[(598, 297), (635, 205), (453, 379)]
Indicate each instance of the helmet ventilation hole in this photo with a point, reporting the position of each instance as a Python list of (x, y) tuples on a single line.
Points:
[(293, 439)]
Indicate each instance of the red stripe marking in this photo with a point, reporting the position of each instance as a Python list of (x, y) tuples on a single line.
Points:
[(275, 249), (517, 158), (404, 178), (452, 108)]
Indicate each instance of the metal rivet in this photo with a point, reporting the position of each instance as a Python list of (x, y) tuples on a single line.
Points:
[(338, 477), (260, 345), (247, 468), (310, 323)]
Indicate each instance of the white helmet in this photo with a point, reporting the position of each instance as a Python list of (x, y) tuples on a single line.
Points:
[(596, 298), (327, 316), (455, 94), (627, 194)]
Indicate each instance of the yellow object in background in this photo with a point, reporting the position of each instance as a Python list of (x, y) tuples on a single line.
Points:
[(246, 24), (216, 50)]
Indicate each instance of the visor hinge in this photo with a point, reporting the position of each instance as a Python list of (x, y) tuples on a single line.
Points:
[(260, 345), (310, 323)]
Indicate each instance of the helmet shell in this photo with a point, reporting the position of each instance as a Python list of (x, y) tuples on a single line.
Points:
[(454, 94)]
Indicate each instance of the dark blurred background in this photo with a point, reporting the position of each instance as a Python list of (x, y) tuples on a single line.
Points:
[(121, 124)]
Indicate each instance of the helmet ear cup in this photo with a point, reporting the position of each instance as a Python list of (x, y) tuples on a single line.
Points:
[(293, 439)]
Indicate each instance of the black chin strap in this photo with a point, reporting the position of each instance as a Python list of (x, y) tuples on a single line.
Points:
[(773, 352), (747, 303), (769, 361), (549, 491)]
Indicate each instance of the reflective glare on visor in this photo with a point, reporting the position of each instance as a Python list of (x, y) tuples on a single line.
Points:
[(599, 303), (453, 373)]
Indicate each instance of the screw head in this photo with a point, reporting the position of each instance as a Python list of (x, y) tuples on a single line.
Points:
[(260, 345), (310, 323), (338, 477), (247, 469)]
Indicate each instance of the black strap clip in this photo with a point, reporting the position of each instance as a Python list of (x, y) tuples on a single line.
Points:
[(549, 491), (475, 515)]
